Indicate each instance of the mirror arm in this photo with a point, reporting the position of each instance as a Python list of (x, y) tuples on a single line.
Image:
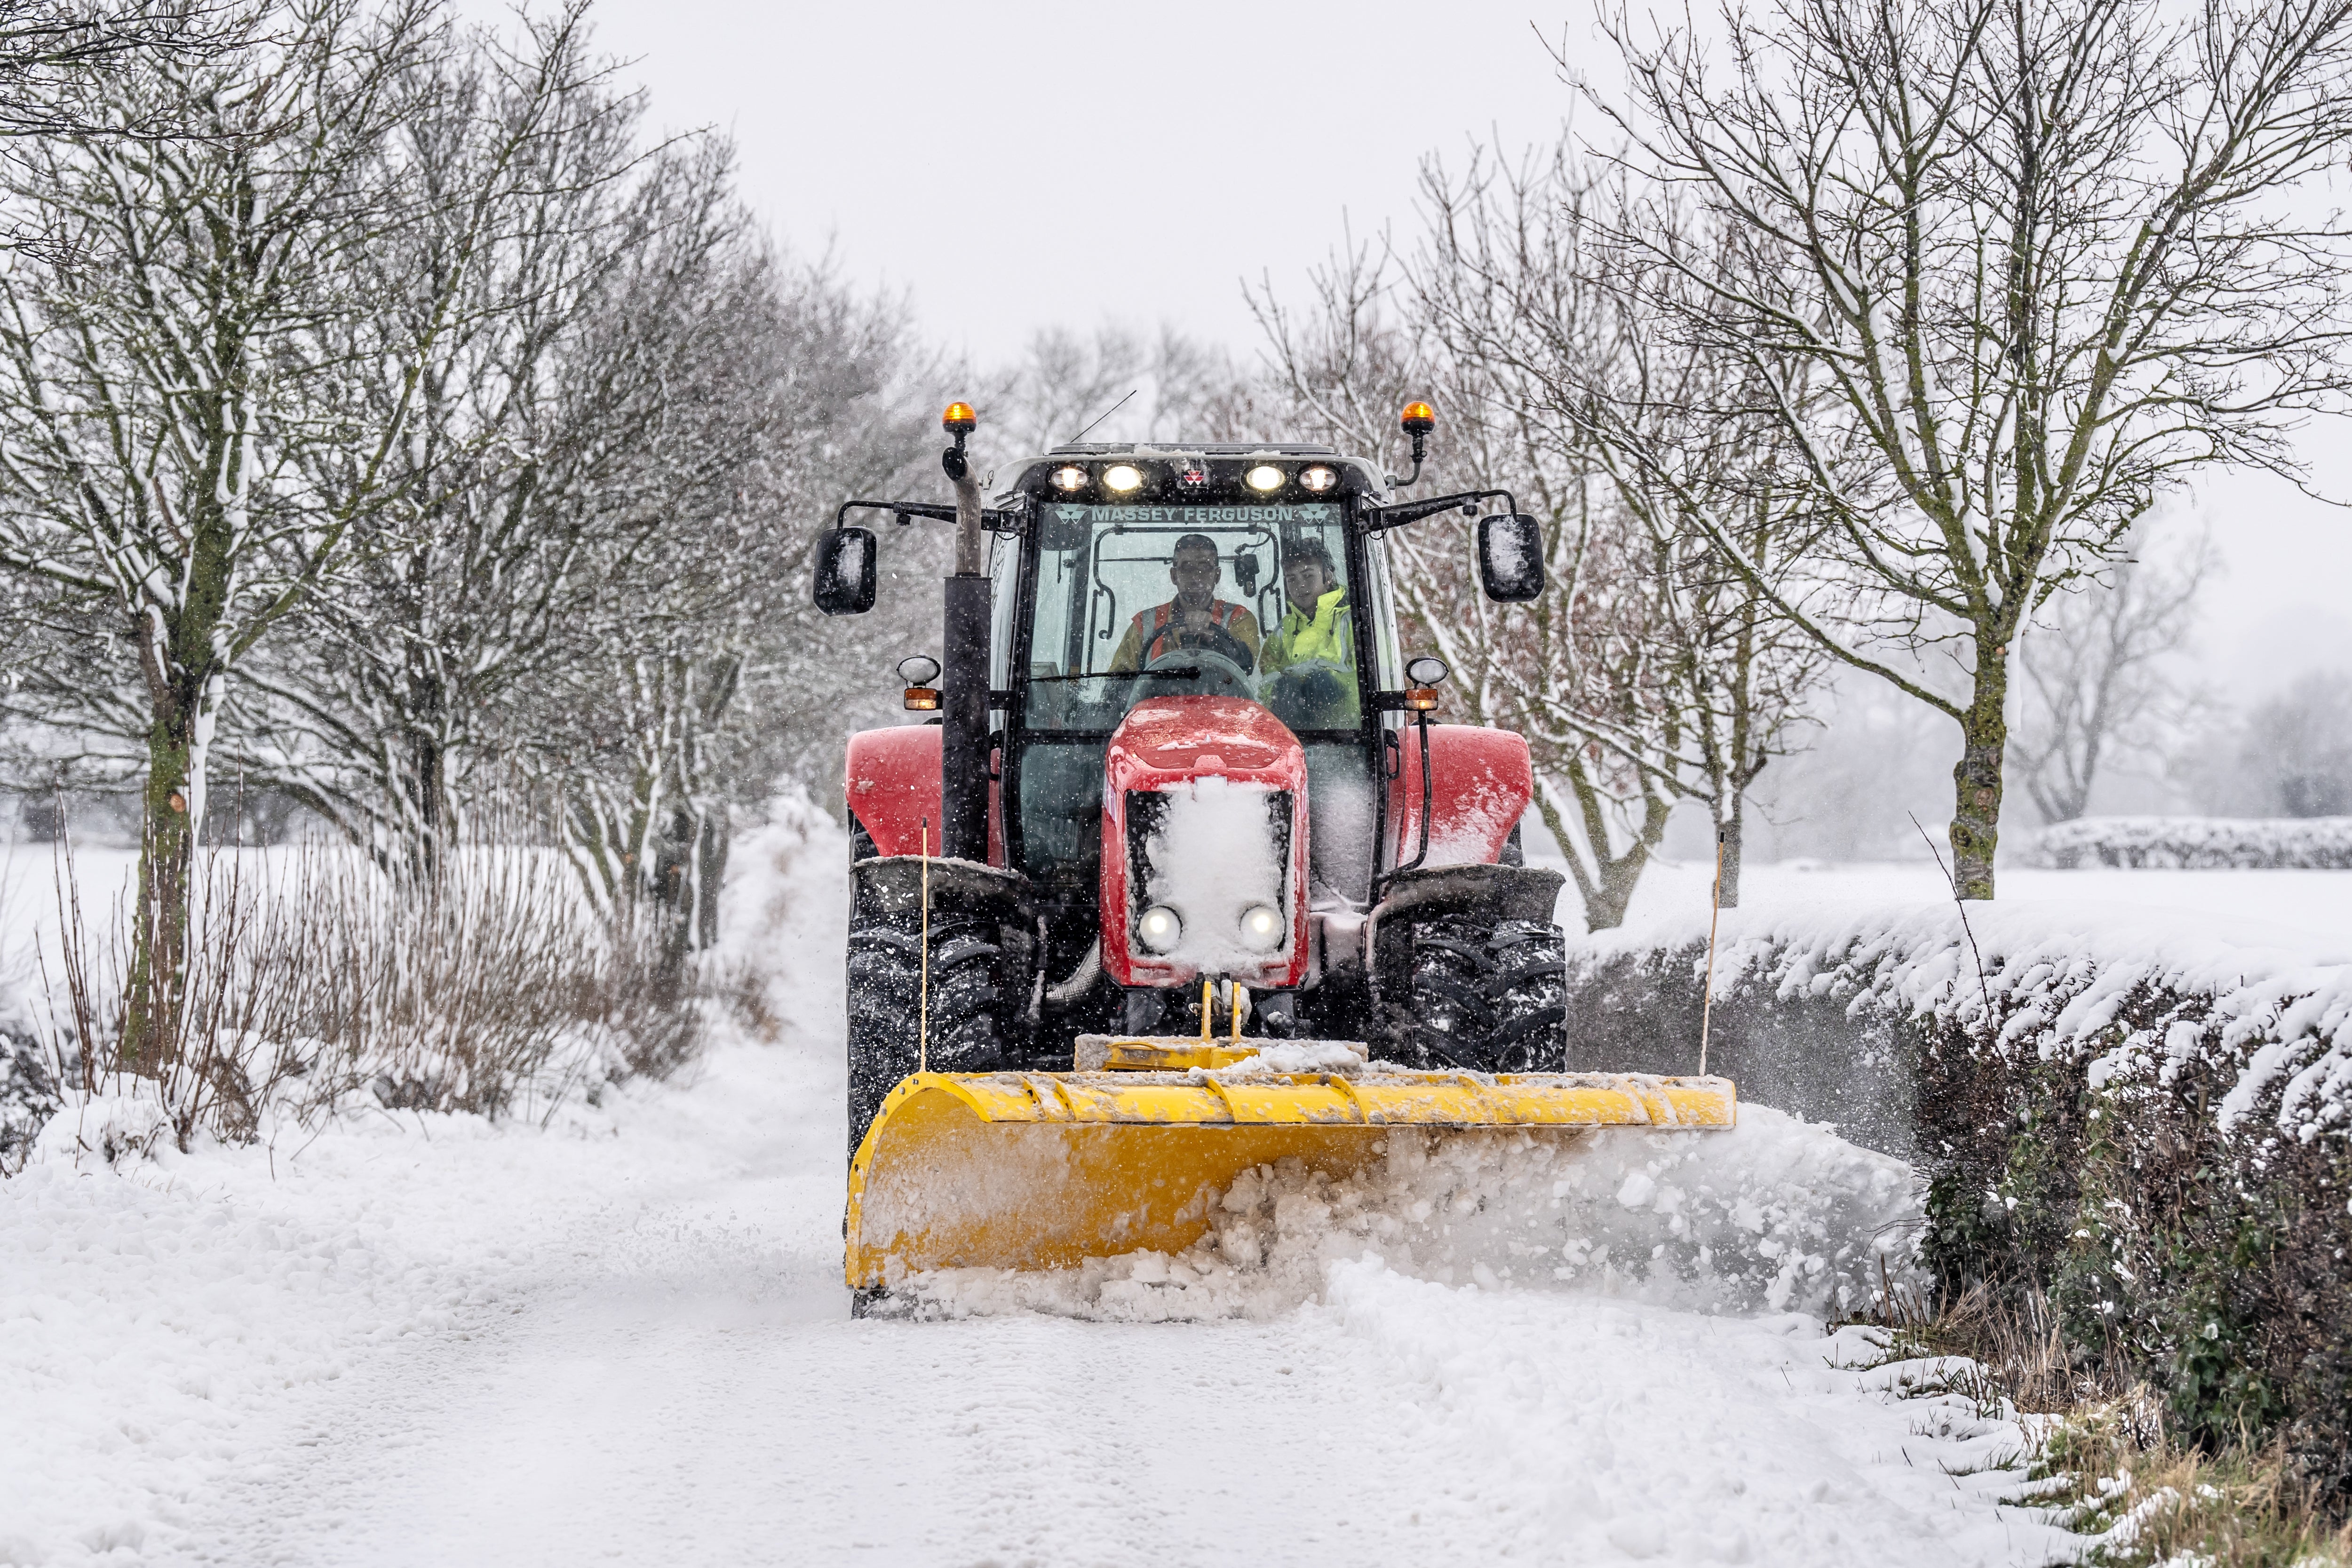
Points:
[(1420, 452), (1379, 518), (995, 518)]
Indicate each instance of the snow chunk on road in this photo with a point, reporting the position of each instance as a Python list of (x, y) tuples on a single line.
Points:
[(1776, 1216)]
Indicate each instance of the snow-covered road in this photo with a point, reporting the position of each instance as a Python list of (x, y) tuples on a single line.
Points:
[(625, 1339), (634, 1348)]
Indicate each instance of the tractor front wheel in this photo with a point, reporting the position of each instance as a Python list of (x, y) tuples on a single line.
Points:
[(886, 1020), (1489, 999)]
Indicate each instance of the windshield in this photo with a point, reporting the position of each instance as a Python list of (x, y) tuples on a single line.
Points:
[(1141, 601)]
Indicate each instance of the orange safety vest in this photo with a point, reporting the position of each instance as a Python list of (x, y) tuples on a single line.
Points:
[(1141, 637), (1220, 613)]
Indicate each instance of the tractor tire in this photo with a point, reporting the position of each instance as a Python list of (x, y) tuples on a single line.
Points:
[(1489, 999), (885, 1012), (1447, 1014), (1527, 990)]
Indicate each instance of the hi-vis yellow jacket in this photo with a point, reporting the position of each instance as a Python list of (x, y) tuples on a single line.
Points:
[(1330, 635)]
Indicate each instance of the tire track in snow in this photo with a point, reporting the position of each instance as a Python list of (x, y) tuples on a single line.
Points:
[(671, 1385)]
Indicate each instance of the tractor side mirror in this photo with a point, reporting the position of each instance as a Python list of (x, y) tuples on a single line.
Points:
[(1511, 558), (845, 572)]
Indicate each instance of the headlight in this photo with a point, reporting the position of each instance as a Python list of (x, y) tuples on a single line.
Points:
[(1121, 478), (1159, 928), (1261, 928), (1318, 478), (1070, 479), (1265, 477)]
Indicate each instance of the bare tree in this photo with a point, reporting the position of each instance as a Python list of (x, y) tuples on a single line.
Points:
[(1600, 674), (56, 57), (2042, 265), (1342, 367), (1680, 672), (2293, 753), (178, 448), (2101, 677), (543, 202), (696, 673), (622, 453)]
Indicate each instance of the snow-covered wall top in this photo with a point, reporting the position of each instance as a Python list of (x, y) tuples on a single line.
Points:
[(2053, 978)]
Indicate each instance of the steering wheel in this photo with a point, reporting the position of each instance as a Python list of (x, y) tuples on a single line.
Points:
[(1208, 661), (1221, 643)]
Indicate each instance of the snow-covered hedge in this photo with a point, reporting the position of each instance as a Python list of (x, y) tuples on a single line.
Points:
[(2154, 1124), (28, 1091), (2200, 843)]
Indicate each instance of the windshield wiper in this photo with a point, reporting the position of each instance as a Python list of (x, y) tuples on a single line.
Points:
[(1182, 671)]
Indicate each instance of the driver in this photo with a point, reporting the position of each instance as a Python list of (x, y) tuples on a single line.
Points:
[(1194, 619)]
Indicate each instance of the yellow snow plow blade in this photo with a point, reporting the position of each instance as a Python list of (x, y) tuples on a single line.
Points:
[(1040, 1170)]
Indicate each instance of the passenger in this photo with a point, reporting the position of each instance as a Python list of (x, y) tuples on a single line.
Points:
[(1316, 644), (1194, 619), (1319, 623)]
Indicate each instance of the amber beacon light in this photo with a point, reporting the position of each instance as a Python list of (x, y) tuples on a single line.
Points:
[(960, 420), (1417, 419)]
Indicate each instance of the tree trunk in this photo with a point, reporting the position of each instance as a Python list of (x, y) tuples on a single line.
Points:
[(1608, 889), (1605, 908), (174, 797), (674, 850), (1731, 829), (428, 774), (1976, 809), (711, 871)]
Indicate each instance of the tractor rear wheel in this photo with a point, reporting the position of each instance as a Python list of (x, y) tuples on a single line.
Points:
[(886, 1017), (1489, 999)]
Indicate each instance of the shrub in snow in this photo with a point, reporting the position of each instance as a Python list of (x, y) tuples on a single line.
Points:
[(489, 986), (2156, 1124), (2199, 842), (29, 1087)]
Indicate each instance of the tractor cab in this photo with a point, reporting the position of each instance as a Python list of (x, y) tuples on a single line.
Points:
[(1184, 772), (1148, 576)]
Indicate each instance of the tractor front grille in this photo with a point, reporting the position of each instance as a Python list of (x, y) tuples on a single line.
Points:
[(1147, 815)]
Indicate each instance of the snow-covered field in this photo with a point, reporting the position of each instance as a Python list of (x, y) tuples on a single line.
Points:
[(2305, 914), (624, 1338)]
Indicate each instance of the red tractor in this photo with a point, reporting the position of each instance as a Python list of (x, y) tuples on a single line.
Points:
[(1182, 777)]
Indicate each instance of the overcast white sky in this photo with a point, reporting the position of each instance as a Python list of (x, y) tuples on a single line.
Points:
[(1021, 165)]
